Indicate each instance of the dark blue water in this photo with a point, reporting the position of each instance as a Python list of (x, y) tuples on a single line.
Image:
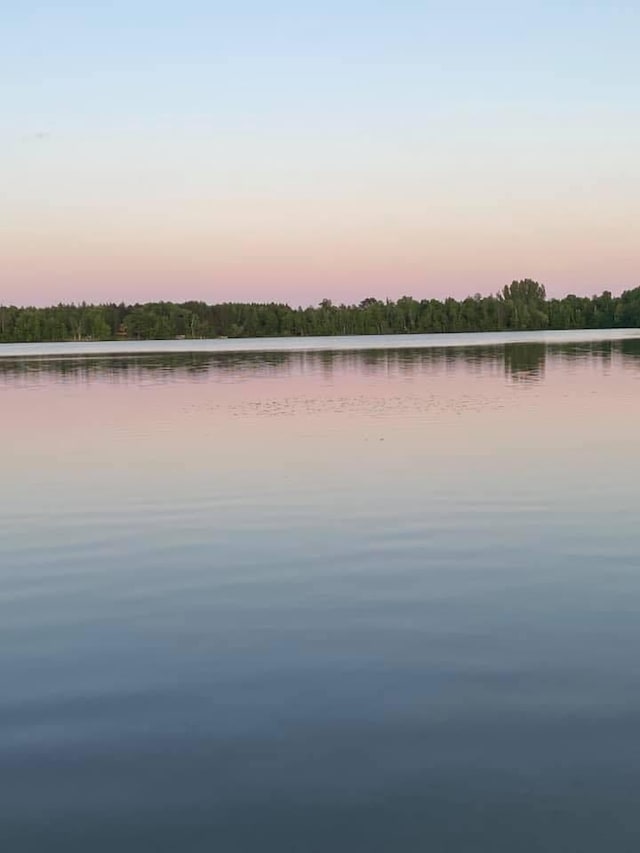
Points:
[(322, 601)]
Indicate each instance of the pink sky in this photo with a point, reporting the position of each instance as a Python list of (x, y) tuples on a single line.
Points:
[(317, 152), (63, 256)]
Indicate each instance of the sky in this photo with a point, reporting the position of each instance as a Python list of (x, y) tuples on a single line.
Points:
[(292, 151)]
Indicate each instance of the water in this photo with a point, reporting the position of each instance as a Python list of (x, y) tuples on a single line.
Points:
[(313, 344), (322, 601)]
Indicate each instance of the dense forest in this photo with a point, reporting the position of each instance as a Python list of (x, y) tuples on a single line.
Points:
[(522, 305)]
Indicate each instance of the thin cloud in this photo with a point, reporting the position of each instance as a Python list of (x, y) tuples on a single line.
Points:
[(37, 136)]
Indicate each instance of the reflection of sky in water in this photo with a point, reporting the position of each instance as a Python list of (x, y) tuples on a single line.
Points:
[(78, 399), (382, 588)]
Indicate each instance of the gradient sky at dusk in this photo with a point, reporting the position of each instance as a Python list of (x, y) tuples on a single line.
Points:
[(292, 151)]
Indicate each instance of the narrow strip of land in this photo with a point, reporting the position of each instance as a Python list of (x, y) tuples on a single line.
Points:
[(326, 343)]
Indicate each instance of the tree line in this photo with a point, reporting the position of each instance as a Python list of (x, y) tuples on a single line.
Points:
[(519, 306)]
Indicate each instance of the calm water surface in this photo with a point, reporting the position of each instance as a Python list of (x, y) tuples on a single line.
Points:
[(304, 601)]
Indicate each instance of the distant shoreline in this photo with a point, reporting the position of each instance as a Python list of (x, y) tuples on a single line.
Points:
[(521, 306)]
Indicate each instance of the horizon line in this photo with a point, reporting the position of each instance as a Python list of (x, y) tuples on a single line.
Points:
[(384, 300)]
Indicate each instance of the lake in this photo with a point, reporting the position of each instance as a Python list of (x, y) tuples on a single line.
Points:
[(321, 599)]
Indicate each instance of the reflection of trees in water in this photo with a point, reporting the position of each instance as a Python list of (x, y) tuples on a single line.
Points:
[(525, 362), (631, 350)]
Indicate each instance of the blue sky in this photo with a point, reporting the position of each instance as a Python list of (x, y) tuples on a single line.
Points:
[(277, 150)]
